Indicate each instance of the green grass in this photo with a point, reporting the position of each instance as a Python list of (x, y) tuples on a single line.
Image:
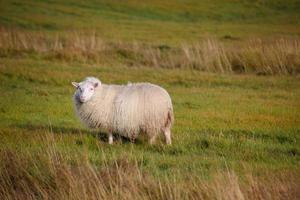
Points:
[(227, 125), (156, 21), (221, 121)]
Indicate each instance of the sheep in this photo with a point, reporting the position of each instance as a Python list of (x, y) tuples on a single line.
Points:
[(127, 110)]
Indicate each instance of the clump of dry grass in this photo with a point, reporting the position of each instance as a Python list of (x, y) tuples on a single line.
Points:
[(265, 57), (69, 46), (280, 56), (52, 175)]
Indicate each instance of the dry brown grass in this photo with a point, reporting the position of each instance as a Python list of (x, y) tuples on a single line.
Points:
[(273, 56), (50, 175)]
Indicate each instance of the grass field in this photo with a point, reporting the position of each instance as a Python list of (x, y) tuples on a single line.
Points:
[(231, 68), (157, 21), (240, 123)]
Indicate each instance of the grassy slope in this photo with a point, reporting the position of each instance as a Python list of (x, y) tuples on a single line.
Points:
[(159, 21), (221, 121)]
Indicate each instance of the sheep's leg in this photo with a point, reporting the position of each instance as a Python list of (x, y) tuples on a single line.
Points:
[(110, 138), (152, 139), (132, 139), (167, 133)]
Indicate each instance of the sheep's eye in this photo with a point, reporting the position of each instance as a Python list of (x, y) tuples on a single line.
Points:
[(91, 89)]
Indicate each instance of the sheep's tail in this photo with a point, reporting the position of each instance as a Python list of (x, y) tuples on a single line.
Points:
[(170, 119)]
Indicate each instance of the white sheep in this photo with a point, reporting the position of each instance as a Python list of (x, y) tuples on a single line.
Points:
[(127, 110)]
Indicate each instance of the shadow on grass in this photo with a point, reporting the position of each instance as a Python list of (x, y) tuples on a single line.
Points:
[(52, 129), (69, 130)]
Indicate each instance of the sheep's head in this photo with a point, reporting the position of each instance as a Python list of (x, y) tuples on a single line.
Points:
[(85, 89)]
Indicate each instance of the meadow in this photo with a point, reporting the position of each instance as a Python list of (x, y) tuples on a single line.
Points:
[(157, 21), (231, 68)]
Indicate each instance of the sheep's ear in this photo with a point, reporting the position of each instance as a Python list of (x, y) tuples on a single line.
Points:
[(96, 84), (75, 84)]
